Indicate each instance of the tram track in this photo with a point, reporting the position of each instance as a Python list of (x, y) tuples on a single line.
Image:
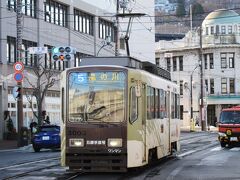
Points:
[(26, 169)]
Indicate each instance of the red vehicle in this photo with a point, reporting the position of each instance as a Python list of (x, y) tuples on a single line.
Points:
[(229, 126)]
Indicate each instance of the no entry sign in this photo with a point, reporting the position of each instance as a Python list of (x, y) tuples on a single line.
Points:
[(18, 76)]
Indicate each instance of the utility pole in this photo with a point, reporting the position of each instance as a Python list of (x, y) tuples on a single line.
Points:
[(19, 58), (203, 125), (117, 29)]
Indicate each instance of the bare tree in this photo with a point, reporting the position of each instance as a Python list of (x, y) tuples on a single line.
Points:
[(45, 78)]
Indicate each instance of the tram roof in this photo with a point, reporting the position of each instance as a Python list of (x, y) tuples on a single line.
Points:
[(127, 62)]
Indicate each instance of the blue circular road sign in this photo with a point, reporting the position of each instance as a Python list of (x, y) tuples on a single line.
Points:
[(18, 76)]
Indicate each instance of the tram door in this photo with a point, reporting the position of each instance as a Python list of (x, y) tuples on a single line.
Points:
[(168, 128), (144, 117)]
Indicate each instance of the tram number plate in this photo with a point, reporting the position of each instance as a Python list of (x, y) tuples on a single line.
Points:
[(233, 139), (45, 138)]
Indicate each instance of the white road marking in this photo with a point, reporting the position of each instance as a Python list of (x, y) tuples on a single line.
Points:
[(235, 149), (217, 149), (186, 153)]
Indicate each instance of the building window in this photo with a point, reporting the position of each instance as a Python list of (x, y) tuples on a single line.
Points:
[(211, 62), (181, 87), (205, 61), (223, 60), (28, 7), (231, 60), (235, 29), (55, 13), (181, 112), (206, 85), (174, 64), (168, 64), (212, 29), (48, 58), (83, 22), (232, 85), (217, 29), (106, 29), (224, 85), (229, 29), (180, 63), (211, 86), (28, 58), (223, 29), (206, 30), (157, 61), (12, 51)]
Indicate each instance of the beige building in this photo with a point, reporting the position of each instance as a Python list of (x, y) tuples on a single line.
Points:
[(219, 58)]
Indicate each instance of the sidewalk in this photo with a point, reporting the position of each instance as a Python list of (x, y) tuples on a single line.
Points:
[(8, 144)]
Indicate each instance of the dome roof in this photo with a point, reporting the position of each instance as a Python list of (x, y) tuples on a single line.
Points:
[(222, 16)]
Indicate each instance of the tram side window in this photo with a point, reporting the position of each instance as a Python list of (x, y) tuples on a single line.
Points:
[(133, 105), (163, 109), (157, 103), (177, 99), (172, 105), (149, 115), (152, 103)]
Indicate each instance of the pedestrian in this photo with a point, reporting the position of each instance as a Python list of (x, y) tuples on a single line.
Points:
[(47, 121), (197, 121)]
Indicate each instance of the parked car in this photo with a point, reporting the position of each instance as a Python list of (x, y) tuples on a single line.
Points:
[(47, 136)]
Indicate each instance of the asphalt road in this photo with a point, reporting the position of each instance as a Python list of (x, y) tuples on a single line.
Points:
[(201, 157)]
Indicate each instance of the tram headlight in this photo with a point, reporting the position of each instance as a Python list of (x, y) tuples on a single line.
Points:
[(222, 134), (114, 142), (76, 142)]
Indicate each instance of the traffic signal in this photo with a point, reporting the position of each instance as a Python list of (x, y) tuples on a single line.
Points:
[(17, 92), (63, 53)]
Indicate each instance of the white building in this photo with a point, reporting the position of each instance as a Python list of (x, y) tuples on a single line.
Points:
[(81, 24), (219, 58)]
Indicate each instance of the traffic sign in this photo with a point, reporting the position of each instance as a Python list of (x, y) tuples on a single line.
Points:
[(38, 50), (18, 66), (18, 76)]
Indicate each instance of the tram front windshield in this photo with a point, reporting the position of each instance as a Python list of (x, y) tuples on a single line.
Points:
[(231, 117), (96, 96)]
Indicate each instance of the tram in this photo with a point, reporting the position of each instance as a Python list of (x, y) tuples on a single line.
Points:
[(117, 113)]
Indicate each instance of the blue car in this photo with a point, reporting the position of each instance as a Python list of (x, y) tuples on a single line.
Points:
[(47, 136)]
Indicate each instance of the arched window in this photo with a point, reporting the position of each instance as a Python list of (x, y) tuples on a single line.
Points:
[(217, 29), (235, 29)]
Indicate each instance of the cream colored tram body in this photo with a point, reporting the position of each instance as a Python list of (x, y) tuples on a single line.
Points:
[(117, 113)]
